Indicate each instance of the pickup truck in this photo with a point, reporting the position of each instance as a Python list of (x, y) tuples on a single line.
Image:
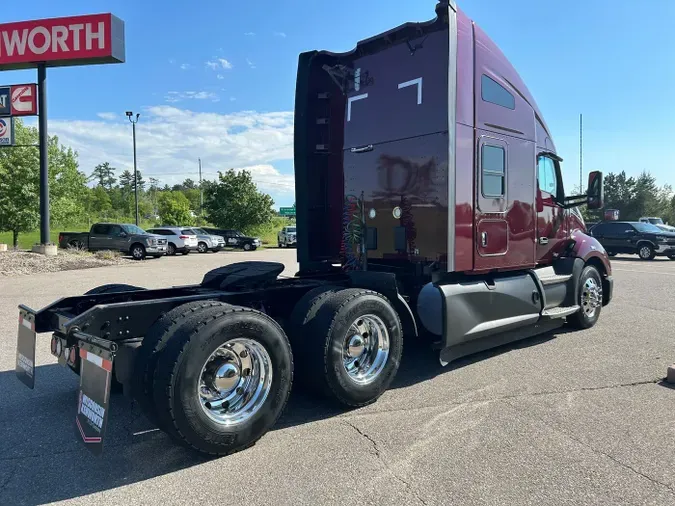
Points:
[(126, 238)]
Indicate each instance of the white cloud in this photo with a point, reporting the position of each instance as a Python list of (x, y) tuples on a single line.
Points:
[(250, 34), (279, 34), (177, 96), (170, 140), (219, 63), (172, 61), (250, 63), (233, 99), (220, 76), (107, 115), (185, 66)]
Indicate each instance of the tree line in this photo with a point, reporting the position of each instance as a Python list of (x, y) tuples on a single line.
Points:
[(635, 197), (78, 199)]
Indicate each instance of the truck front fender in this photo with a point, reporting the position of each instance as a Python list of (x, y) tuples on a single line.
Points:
[(590, 250)]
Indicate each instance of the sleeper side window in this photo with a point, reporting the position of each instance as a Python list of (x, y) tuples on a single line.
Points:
[(493, 92), (493, 171)]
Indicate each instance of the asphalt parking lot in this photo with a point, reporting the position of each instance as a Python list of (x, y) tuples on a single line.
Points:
[(565, 418)]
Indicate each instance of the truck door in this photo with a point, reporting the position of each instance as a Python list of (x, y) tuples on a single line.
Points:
[(117, 239), (98, 238), (551, 230)]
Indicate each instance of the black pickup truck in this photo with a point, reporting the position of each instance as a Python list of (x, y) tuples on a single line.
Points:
[(126, 238), (636, 238)]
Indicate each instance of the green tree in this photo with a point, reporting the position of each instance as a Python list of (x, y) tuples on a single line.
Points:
[(67, 185), (19, 191), (235, 202), (99, 202), (126, 182), (104, 175), (174, 209)]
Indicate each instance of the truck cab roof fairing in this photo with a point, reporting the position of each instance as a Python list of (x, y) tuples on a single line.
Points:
[(503, 68)]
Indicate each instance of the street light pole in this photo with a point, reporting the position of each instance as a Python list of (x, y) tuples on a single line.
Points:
[(133, 128)]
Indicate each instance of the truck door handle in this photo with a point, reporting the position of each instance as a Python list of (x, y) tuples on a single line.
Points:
[(483, 239), (543, 240)]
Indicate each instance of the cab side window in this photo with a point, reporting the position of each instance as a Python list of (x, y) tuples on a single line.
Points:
[(546, 176)]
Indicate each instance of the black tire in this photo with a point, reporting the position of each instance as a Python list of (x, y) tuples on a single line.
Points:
[(320, 323), (77, 245), (611, 254), (186, 252), (581, 319), (671, 257), (171, 249), (646, 251), (137, 251), (202, 247), (178, 370), (153, 343)]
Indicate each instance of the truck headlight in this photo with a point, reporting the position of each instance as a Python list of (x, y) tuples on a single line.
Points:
[(661, 239), (151, 242)]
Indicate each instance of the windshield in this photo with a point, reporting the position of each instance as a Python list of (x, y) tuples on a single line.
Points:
[(656, 221), (199, 231), (647, 227), (133, 229)]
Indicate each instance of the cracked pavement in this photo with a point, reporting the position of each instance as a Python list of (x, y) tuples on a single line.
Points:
[(566, 418)]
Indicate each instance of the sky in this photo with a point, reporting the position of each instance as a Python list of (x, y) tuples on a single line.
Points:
[(216, 79)]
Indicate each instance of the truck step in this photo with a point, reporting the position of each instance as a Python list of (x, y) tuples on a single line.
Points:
[(559, 312), (555, 279)]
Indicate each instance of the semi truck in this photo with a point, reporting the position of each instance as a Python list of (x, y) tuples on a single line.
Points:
[(430, 206)]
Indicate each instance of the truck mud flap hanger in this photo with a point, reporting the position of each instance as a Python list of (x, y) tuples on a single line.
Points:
[(96, 358)]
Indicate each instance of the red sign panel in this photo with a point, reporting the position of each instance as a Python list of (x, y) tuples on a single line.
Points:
[(77, 40), (23, 100)]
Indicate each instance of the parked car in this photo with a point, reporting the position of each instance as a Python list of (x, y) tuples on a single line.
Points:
[(180, 240), (208, 242), (123, 237), (667, 228), (637, 238), (651, 219), (287, 237), (235, 239)]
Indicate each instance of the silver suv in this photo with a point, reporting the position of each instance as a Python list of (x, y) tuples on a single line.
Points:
[(208, 242), (287, 237), (180, 239)]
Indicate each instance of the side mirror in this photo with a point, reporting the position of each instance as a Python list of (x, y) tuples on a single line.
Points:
[(596, 191)]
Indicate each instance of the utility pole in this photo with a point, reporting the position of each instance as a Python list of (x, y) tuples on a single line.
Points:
[(581, 153), (201, 193), (133, 127)]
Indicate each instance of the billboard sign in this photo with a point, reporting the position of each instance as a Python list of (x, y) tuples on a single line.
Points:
[(23, 100), (5, 101), (6, 132), (75, 40)]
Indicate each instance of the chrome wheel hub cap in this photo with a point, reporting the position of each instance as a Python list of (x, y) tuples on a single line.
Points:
[(235, 381), (366, 349), (591, 297), (644, 252)]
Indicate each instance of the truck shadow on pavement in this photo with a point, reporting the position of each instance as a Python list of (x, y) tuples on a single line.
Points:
[(42, 459)]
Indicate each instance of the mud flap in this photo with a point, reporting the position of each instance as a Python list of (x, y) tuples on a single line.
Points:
[(94, 396), (25, 348)]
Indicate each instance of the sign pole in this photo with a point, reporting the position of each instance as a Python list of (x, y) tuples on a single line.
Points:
[(44, 150)]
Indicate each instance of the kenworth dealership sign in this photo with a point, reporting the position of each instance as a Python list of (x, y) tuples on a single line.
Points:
[(76, 40)]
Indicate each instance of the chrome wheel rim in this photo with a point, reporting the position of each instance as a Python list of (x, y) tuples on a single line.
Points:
[(138, 252), (235, 381), (365, 349), (591, 297), (247, 247), (202, 247), (645, 252)]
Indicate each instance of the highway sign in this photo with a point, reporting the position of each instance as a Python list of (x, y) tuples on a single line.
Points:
[(287, 211)]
